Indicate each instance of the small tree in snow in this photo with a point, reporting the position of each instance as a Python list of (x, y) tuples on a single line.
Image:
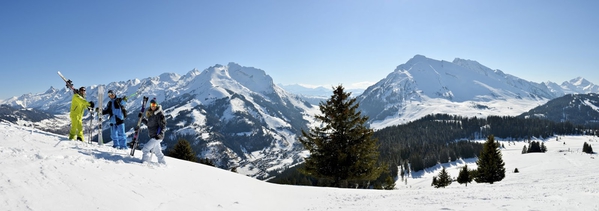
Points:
[(464, 176), (443, 179)]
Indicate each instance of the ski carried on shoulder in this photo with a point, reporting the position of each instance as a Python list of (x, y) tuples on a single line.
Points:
[(135, 140), (68, 81)]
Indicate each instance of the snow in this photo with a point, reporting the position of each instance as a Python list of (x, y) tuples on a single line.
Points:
[(44, 171), (590, 104), (418, 109)]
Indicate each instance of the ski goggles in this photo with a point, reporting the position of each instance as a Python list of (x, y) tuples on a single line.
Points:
[(153, 104)]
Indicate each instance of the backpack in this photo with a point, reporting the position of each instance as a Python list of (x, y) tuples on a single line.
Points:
[(118, 100)]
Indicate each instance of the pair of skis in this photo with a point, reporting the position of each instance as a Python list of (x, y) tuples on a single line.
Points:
[(100, 104), (135, 140)]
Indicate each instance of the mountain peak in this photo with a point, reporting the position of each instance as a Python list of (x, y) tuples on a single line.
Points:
[(474, 65), (579, 81), (580, 85), (417, 59), (51, 90), (253, 78), (169, 77)]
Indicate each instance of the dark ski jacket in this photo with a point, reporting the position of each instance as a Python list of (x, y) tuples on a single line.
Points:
[(115, 109), (156, 122)]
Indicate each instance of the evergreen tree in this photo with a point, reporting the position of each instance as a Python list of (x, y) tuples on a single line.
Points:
[(442, 180), (341, 148), (543, 147), (389, 183), (534, 147), (490, 164), (586, 148), (464, 176), (182, 150)]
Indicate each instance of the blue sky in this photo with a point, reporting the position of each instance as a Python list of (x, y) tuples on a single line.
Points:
[(324, 42)]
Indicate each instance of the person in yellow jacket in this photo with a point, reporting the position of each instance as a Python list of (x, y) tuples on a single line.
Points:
[(78, 106)]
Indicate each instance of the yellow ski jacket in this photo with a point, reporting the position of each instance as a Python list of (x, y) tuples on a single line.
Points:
[(78, 106)]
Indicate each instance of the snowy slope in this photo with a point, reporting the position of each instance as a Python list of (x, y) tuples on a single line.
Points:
[(43, 171)]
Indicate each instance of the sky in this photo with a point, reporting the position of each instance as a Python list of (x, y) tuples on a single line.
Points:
[(353, 43), (45, 171)]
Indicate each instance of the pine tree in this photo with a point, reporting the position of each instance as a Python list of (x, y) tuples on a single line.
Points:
[(389, 183), (442, 180), (341, 148), (586, 148), (464, 176), (182, 150), (543, 147), (490, 164)]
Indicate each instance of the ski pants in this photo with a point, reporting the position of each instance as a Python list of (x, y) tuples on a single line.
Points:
[(76, 129), (118, 136), (153, 146)]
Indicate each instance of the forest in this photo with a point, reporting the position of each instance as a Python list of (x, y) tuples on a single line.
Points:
[(441, 138)]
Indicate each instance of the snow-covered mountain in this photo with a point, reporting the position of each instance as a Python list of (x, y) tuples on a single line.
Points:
[(236, 116), (578, 109), (424, 86), (44, 171), (315, 95)]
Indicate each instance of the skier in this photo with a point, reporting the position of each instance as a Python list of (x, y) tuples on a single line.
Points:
[(114, 109), (154, 119), (78, 106)]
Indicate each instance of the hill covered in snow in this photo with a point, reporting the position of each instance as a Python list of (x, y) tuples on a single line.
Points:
[(45, 171), (462, 87)]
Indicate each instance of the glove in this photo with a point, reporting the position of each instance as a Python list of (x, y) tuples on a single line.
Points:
[(118, 121), (136, 127), (97, 109), (125, 98), (91, 104), (139, 115)]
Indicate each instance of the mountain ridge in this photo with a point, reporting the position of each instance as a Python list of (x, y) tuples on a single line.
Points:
[(423, 86), (238, 117)]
